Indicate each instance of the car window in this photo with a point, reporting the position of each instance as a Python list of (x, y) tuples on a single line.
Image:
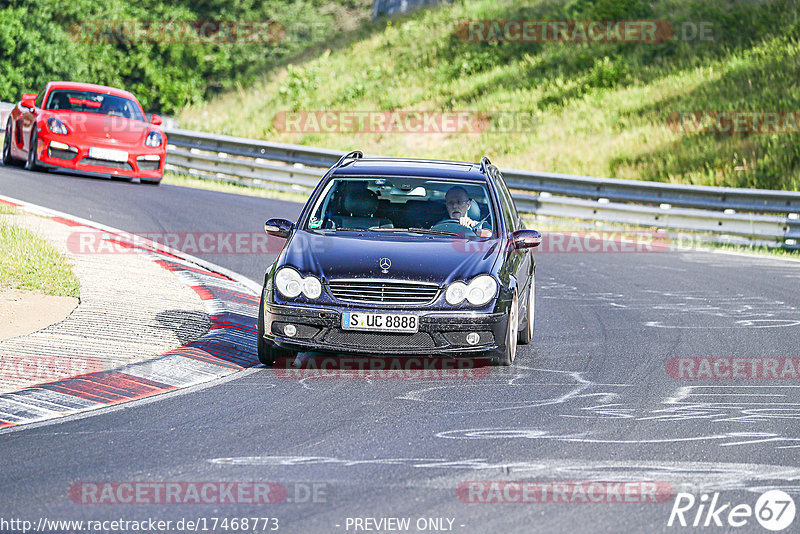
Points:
[(91, 102), (506, 203), (396, 203)]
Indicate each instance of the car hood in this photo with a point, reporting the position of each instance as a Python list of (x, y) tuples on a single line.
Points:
[(437, 259), (105, 129)]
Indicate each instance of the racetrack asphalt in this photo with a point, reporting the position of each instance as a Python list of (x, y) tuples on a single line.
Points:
[(589, 399)]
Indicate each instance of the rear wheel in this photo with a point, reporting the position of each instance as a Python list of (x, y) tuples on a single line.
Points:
[(32, 162), (507, 354), (8, 159), (526, 333), (268, 352)]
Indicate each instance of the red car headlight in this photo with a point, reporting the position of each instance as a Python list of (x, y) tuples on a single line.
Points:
[(56, 126), (154, 139)]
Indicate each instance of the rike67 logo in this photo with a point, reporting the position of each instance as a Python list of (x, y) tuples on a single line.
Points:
[(774, 510)]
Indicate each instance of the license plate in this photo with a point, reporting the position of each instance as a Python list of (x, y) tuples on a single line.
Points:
[(108, 154), (380, 322)]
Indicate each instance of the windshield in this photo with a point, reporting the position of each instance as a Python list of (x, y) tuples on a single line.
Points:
[(91, 102), (422, 205)]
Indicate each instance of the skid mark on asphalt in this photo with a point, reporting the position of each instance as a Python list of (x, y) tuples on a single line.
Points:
[(578, 388), (730, 403), (692, 310), (683, 476), (583, 399)]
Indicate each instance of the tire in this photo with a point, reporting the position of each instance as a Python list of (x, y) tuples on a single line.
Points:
[(267, 352), (149, 182), (8, 159), (31, 163), (526, 333), (506, 355)]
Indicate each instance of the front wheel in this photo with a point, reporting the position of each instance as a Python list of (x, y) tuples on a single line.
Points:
[(506, 355), (8, 159), (31, 163)]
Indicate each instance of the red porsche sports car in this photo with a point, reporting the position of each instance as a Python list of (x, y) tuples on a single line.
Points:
[(91, 129)]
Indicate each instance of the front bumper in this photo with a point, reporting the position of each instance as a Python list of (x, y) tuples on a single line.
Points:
[(440, 333), (135, 167)]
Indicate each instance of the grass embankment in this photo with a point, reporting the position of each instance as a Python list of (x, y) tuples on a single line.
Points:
[(601, 109), (29, 262)]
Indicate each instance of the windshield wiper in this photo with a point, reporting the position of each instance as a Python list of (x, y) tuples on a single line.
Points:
[(417, 231)]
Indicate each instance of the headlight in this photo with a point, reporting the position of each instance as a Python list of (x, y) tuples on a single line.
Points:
[(56, 126), (481, 290), (478, 292), (311, 287), (290, 284), (456, 293), (153, 139)]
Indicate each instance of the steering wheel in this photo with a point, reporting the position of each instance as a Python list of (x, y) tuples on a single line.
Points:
[(451, 225)]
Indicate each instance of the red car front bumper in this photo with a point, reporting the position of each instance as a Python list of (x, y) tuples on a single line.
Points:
[(142, 162)]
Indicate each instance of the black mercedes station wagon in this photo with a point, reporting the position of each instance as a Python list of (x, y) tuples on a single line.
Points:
[(401, 256)]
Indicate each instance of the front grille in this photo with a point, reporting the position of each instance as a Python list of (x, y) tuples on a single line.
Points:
[(369, 340), (61, 154), (383, 291), (106, 163), (145, 165)]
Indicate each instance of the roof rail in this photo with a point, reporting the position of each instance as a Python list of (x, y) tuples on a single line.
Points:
[(355, 154), (485, 164)]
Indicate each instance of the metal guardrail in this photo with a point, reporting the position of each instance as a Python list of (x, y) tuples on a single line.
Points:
[(769, 217), (5, 109)]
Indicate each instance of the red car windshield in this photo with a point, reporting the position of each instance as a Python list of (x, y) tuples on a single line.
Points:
[(91, 102)]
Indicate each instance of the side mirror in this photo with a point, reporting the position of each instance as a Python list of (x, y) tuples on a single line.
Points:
[(28, 101), (522, 239), (278, 227), (156, 120)]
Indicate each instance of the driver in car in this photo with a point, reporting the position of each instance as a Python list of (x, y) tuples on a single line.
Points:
[(458, 203)]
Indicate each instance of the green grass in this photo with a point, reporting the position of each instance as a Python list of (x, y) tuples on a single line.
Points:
[(29, 262), (600, 109)]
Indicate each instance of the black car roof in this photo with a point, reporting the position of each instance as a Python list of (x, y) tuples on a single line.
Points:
[(411, 167)]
